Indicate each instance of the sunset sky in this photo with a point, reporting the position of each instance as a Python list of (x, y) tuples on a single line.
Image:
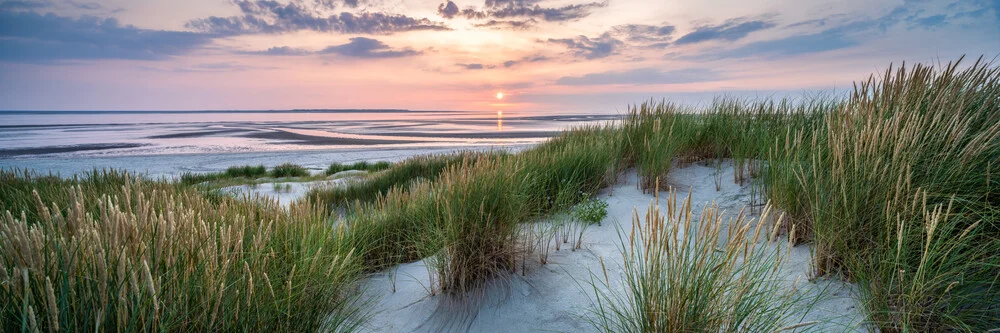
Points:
[(543, 55)]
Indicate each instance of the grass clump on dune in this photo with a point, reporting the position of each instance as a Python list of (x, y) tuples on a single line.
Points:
[(118, 253), (399, 175), (246, 171), (361, 166), (288, 170), (478, 214), (242, 172), (686, 274)]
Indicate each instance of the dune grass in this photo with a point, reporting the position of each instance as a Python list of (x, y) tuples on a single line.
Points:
[(902, 198), (361, 165), (684, 274), (893, 186), (288, 170), (244, 173), (399, 175), (114, 252)]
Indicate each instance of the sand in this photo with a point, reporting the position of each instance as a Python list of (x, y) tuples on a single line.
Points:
[(556, 297)]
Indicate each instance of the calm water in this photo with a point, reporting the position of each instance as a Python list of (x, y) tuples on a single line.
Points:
[(168, 143)]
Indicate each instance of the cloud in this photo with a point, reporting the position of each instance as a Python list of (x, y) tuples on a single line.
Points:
[(22, 5), (841, 32), (475, 66), (642, 33), (528, 59), (280, 51), (508, 24), (357, 47), (332, 4), (731, 30), (32, 37), (618, 37), (584, 47), (448, 10), (642, 76), (503, 9), (361, 47), (272, 17), (86, 5)]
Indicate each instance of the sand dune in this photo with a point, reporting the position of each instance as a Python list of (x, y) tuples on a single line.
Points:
[(556, 297)]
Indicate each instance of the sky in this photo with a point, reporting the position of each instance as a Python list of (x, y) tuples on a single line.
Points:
[(543, 55)]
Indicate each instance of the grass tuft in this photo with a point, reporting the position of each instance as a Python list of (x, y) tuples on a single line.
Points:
[(687, 274)]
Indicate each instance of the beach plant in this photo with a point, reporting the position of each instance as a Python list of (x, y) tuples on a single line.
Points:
[(479, 216), (115, 252), (361, 166), (246, 171), (902, 198), (591, 211), (288, 170), (398, 175), (687, 273)]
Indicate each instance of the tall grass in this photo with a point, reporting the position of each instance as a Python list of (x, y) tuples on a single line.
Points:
[(118, 253), (681, 274), (246, 171), (652, 139), (399, 175), (478, 214), (362, 165), (906, 144), (848, 175), (288, 170)]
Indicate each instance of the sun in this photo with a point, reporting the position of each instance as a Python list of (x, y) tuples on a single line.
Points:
[(499, 95)]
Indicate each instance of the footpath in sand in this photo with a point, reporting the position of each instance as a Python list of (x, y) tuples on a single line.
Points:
[(556, 297)]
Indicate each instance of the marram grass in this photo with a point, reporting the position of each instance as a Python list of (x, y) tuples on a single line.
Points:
[(704, 274), (151, 257)]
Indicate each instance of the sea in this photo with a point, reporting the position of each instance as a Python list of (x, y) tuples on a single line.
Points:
[(170, 143)]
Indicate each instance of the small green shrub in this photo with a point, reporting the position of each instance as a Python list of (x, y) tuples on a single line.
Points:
[(591, 211), (289, 170)]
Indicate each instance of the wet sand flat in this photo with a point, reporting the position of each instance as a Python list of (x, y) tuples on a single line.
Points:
[(65, 149)]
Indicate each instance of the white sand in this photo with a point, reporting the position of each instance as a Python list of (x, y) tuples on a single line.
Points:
[(555, 297)]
